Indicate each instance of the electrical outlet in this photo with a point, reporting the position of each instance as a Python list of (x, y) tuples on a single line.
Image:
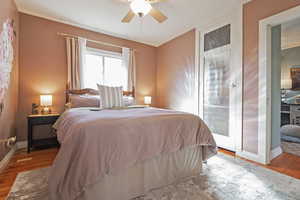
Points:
[(1, 108)]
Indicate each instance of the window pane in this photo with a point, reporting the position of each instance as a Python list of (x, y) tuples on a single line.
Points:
[(93, 71), (114, 73), (217, 89)]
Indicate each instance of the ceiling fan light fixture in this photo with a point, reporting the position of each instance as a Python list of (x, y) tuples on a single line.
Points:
[(140, 7)]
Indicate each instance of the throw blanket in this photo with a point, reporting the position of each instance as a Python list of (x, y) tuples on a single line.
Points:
[(95, 143)]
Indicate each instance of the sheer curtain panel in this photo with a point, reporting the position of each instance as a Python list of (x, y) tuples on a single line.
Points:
[(76, 48), (130, 64)]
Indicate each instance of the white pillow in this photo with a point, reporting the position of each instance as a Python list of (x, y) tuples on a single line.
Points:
[(128, 101), (110, 96)]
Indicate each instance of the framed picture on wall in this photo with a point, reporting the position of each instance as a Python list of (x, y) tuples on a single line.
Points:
[(295, 76)]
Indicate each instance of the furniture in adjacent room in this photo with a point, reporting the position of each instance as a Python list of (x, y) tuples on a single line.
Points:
[(290, 122), (36, 120), (295, 114), (285, 114), (290, 133), (290, 114)]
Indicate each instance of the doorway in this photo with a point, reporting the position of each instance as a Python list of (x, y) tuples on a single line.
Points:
[(266, 148), (285, 128)]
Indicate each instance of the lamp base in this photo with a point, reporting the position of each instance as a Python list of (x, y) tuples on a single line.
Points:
[(46, 110)]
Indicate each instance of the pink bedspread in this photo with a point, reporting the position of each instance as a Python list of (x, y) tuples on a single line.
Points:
[(95, 143)]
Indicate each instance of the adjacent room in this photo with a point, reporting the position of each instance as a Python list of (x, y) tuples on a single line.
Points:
[(150, 100), (289, 66)]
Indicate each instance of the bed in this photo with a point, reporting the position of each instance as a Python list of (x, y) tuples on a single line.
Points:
[(120, 154)]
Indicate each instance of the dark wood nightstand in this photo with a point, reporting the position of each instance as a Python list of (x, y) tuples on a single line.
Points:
[(35, 120)]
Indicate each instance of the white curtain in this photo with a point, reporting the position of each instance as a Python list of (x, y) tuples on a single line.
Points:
[(130, 64), (76, 50)]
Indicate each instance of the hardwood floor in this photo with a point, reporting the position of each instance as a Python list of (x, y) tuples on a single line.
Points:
[(22, 161), (286, 163)]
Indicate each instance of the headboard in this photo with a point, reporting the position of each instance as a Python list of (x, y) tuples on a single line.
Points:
[(92, 92)]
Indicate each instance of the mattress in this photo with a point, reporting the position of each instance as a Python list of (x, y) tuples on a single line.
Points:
[(143, 177)]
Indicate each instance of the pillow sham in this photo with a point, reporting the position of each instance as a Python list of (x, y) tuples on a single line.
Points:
[(110, 96), (128, 101), (77, 101)]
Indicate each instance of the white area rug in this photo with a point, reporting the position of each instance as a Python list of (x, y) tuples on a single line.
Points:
[(223, 178)]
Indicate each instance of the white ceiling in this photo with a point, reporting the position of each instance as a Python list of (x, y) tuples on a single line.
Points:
[(105, 16), (290, 34)]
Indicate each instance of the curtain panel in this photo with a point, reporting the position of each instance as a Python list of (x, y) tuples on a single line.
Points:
[(130, 65), (76, 49)]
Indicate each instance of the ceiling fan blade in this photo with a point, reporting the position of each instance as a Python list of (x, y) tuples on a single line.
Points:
[(128, 17), (159, 16)]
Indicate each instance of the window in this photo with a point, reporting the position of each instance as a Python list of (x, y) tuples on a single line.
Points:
[(103, 67)]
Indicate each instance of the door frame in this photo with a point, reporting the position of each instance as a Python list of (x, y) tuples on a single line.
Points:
[(265, 153), (235, 20)]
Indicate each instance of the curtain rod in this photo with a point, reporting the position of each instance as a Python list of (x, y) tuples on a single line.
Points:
[(94, 41)]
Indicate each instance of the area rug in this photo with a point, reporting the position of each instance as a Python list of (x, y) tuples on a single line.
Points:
[(223, 178), (291, 147)]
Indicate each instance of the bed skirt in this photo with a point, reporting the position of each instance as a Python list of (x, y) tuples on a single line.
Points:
[(143, 177)]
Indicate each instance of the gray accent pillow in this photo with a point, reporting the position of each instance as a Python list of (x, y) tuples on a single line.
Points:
[(77, 101), (290, 130)]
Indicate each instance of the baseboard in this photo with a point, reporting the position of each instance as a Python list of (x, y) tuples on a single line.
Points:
[(22, 144), (250, 156), (4, 162), (276, 152)]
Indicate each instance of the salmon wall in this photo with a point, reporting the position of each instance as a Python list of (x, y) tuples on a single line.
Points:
[(253, 12), (8, 117), (43, 67), (176, 73)]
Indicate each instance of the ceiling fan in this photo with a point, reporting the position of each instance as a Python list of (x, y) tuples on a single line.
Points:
[(142, 8)]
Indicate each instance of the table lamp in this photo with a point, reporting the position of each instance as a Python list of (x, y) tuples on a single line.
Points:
[(46, 103), (147, 100)]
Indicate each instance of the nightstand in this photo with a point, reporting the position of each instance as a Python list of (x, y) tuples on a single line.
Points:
[(36, 120)]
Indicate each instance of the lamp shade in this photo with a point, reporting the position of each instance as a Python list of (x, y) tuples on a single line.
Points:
[(147, 100), (140, 7), (46, 100)]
